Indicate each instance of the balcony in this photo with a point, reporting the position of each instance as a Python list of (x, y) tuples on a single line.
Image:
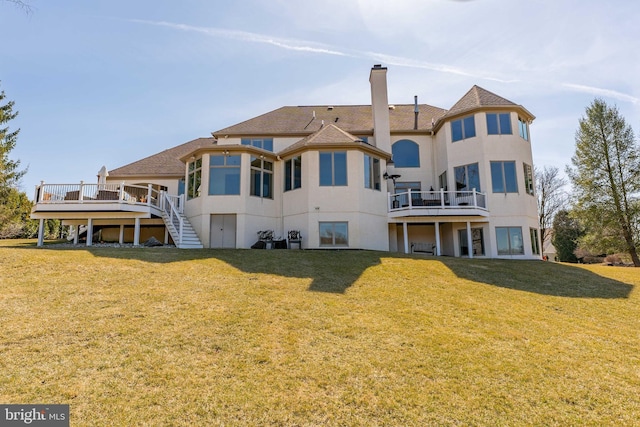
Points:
[(437, 203), (100, 199)]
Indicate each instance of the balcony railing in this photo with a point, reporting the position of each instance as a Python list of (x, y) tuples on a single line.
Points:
[(96, 193), (445, 200)]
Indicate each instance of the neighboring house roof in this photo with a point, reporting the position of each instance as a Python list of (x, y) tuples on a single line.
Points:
[(165, 163), (356, 119), (331, 136)]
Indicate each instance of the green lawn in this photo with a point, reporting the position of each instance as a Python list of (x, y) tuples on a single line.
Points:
[(246, 337)]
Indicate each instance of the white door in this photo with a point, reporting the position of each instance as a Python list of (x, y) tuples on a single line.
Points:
[(223, 231)]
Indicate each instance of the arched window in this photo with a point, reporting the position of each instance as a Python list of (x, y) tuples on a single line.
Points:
[(406, 154)]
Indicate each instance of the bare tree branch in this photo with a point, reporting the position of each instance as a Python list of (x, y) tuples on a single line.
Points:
[(28, 9)]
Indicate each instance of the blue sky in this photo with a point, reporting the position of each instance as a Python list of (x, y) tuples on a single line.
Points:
[(111, 81)]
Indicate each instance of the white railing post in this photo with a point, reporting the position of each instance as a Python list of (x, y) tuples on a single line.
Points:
[(441, 197), (181, 224), (149, 195), (181, 201), (475, 200), (121, 196), (80, 193)]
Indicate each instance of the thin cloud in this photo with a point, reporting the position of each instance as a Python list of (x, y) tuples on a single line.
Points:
[(288, 44), (602, 92), (312, 47)]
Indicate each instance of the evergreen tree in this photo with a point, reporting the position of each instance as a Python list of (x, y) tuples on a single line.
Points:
[(566, 233), (10, 173), (606, 181)]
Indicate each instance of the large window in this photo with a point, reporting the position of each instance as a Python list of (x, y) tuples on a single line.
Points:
[(264, 143), (503, 177), (194, 178), (463, 128), (523, 128), (406, 154), (293, 173), (261, 177), (499, 124), (535, 242), (334, 234), (467, 177), (528, 179), (509, 241), (371, 172), (224, 175), (333, 168)]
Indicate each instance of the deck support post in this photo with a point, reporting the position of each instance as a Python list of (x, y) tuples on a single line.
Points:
[(136, 232), (469, 240), (121, 236), (405, 233), (76, 235), (166, 235), (41, 232), (437, 239), (90, 232)]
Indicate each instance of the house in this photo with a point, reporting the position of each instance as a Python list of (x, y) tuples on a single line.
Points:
[(401, 178)]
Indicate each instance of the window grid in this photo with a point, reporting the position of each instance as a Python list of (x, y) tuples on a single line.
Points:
[(503, 177), (463, 128), (293, 174), (372, 172), (224, 175), (261, 177), (499, 124), (194, 178)]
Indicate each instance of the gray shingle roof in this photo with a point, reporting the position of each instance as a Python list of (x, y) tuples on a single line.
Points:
[(478, 97), (329, 135), (355, 119), (165, 163)]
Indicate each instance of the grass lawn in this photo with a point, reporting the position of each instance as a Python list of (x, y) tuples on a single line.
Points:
[(160, 336)]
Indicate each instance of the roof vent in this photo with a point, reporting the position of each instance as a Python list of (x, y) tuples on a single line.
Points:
[(330, 107), (392, 107)]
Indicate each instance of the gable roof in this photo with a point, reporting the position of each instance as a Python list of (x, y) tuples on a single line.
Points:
[(355, 119), (166, 163), (331, 136)]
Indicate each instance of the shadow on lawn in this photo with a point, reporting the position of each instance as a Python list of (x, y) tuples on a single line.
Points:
[(546, 278), (330, 271), (336, 271)]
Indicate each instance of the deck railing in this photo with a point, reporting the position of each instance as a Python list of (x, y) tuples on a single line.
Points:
[(173, 207), (97, 193), (437, 200)]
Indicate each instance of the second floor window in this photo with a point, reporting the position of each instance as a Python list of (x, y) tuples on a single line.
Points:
[(406, 154), (463, 128), (528, 179), (499, 124), (224, 175), (523, 128), (194, 178), (467, 177), (371, 172), (261, 177), (293, 173), (503, 177), (333, 169)]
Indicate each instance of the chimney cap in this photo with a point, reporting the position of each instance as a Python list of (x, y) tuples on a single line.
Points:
[(378, 67)]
